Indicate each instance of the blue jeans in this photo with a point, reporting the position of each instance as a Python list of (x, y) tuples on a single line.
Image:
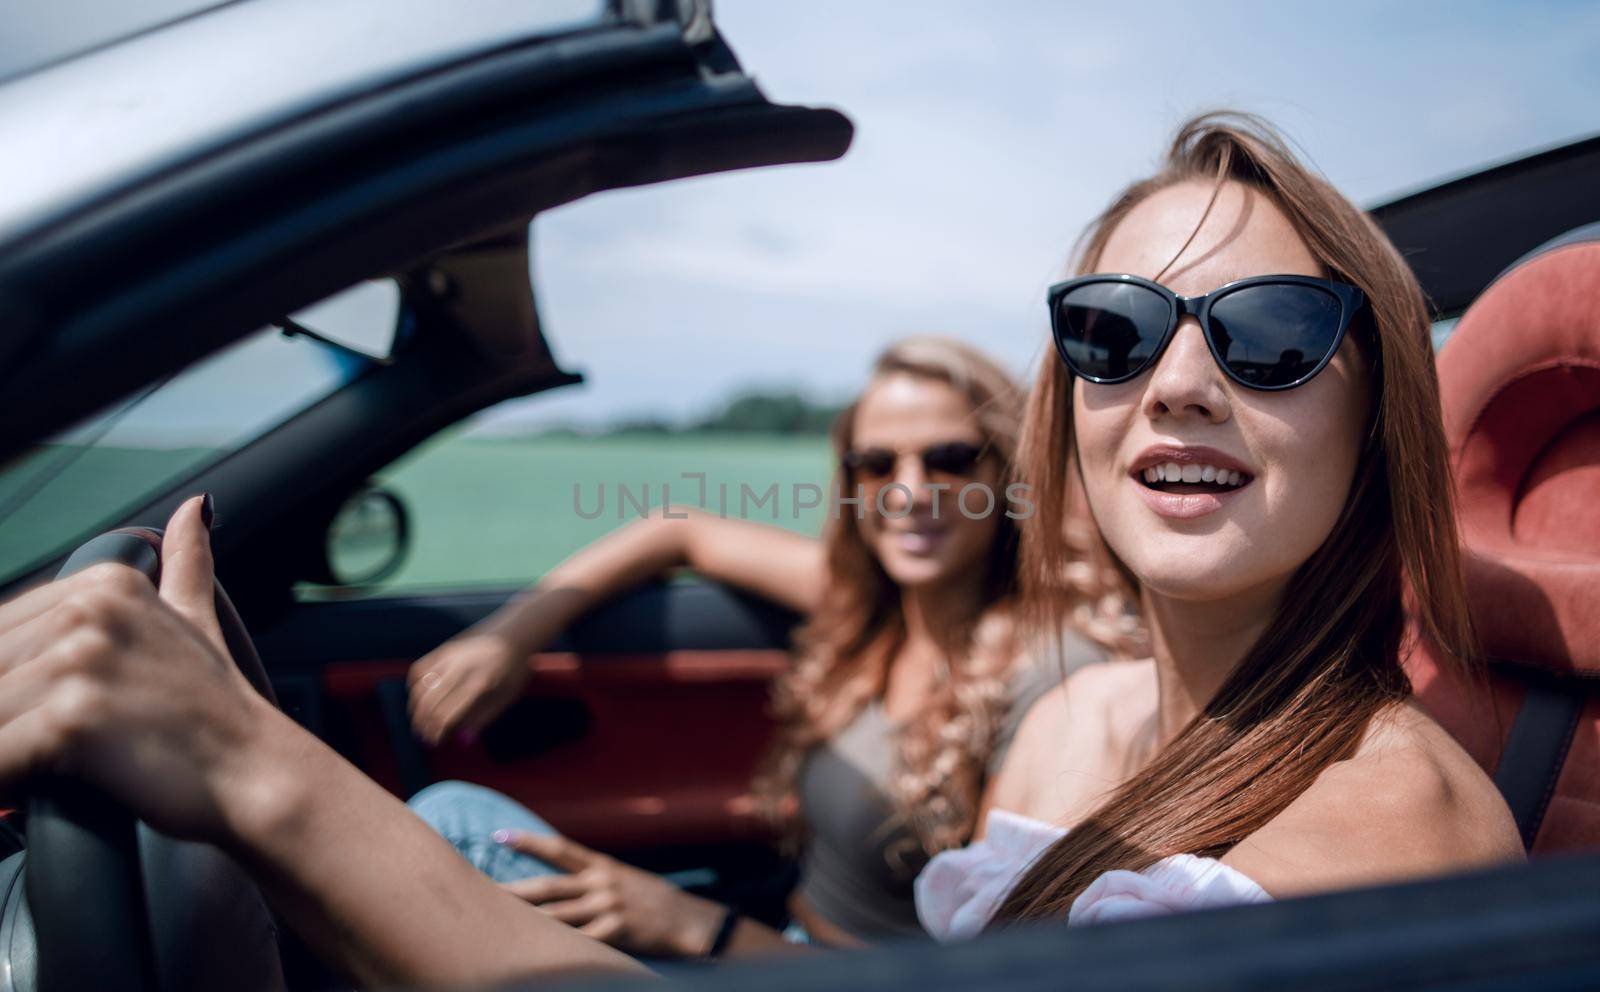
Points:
[(467, 816)]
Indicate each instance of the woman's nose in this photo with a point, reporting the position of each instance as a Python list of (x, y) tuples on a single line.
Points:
[(907, 485), (1186, 382)]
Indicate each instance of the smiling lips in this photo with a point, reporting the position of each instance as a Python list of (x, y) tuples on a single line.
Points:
[(1184, 483), (921, 538)]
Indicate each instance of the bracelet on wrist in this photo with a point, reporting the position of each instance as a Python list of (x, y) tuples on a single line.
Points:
[(723, 936)]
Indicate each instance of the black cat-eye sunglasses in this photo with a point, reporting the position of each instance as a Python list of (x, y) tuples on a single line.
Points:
[(1266, 332)]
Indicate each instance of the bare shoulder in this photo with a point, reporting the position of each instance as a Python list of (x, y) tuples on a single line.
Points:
[(1085, 706), (1065, 741), (1409, 803)]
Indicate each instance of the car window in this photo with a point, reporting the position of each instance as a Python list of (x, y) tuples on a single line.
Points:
[(492, 508), (88, 478)]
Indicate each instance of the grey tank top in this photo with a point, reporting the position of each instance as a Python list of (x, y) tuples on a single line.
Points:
[(861, 857)]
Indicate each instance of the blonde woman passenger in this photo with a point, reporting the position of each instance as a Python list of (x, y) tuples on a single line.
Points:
[(902, 700)]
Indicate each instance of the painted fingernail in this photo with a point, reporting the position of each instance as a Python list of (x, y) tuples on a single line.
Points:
[(208, 510), (502, 836), (467, 738)]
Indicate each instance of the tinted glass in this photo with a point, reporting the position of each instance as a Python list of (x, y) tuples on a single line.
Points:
[(1109, 330), (72, 486), (874, 463), (1273, 335), (956, 458)]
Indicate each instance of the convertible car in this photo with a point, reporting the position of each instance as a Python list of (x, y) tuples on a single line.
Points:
[(197, 202)]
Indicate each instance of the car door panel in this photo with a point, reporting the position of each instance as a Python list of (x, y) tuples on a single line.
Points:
[(640, 728)]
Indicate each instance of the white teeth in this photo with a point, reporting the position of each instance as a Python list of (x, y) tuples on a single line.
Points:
[(1192, 473)]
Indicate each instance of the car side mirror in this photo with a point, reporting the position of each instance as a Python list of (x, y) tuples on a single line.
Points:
[(367, 540)]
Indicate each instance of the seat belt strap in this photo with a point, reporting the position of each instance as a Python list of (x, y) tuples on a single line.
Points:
[(1535, 751)]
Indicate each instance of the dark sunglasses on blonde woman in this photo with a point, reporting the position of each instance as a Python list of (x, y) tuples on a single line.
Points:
[(1266, 332), (956, 459)]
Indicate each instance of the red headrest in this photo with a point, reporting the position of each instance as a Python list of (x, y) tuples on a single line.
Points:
[(1520, 384)]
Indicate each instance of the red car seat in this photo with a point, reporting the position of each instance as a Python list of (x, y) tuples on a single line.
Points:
[(1520, 383)]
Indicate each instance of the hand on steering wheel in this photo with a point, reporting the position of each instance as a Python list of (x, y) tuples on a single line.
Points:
[(108, 681), (114, 696)]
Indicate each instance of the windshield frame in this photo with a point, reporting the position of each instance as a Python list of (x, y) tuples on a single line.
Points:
[(338, 367)]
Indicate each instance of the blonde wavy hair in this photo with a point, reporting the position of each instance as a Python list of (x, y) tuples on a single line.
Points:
[(846, 648)]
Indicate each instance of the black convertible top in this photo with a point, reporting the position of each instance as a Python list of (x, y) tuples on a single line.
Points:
[(1460, 234)]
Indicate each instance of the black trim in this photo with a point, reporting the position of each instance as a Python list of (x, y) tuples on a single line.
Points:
[(685, 616), (291, 481), (422, 179), (411, 764), (1535, 751), (532, 726), (1459, 235), (197, 258), (1585, 234), (1525, 927)]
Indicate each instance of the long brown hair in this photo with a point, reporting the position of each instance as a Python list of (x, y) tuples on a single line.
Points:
[(1330, 660), (850, 640)]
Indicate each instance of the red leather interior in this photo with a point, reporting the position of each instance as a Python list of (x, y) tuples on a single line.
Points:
[(1520, 384), (668, 759)]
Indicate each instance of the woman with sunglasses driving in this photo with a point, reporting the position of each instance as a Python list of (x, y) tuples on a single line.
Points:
[(1245, 386), (904, 695)]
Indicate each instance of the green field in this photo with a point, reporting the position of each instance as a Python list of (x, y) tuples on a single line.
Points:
[(496, 511), (58, 495), (482, 511)]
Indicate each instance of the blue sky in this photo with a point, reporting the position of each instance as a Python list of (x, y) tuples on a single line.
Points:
[(987, 136)]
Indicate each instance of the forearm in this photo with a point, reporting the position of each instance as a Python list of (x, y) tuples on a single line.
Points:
[(378, 894)]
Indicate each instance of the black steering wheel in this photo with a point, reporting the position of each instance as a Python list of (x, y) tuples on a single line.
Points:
[(100, 901)]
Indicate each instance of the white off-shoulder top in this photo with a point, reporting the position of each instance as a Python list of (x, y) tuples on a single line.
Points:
[(960, 890)]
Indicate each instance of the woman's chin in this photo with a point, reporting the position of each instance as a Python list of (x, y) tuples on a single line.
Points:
[(910, 574), (910, 570), (1189, 577)]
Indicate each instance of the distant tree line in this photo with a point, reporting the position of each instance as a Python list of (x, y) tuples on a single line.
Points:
[(750, 412)]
